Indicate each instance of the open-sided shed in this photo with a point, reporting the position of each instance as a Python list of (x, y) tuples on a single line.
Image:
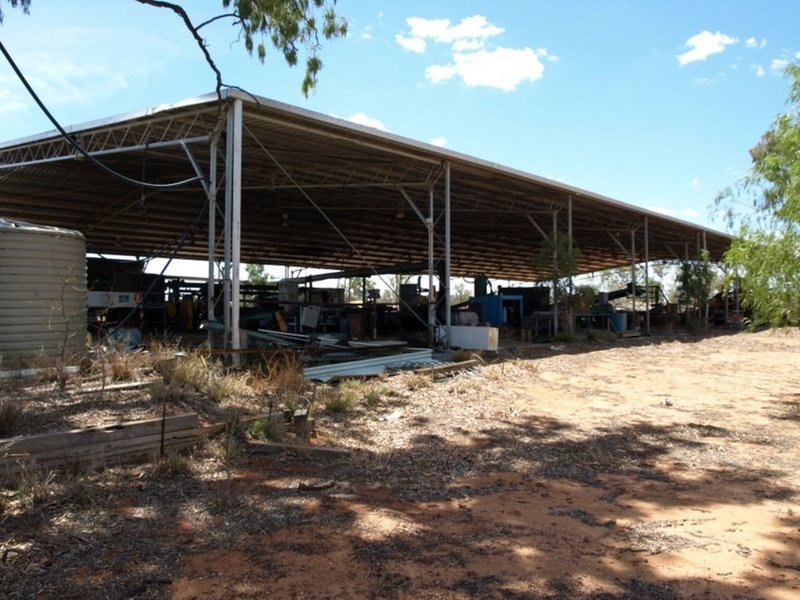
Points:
[(276, 184)]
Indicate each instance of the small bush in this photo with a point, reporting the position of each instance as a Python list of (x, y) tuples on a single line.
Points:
[(10, 414), (266, 429), (195, 373)]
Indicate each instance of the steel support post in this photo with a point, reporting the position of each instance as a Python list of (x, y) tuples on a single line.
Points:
[(212, 234), (570, 315), (431, 299), (633, 271), (226, 250), (447, 316), (235, 133), (705, 299), (647, 274), (555, 272)]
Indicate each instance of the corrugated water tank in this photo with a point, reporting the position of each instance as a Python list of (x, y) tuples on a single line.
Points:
[(42, 291)]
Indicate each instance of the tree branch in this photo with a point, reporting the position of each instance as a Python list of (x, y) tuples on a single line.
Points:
[(177, 9), (212, 19)]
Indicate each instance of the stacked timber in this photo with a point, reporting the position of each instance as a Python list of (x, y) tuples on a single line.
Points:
[(84, 449)]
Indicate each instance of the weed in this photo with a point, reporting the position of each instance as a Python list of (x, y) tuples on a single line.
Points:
[(565, 337), (463, 355), (372, 396), (418, 381), (169, 393), (10, 414), (266, 429), (335, 401), (34, 486), (220, 386), (600, 335), (122, 363), (284, 375), (173, 464)]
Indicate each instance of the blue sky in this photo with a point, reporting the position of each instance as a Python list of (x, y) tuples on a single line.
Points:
[(655, 103)]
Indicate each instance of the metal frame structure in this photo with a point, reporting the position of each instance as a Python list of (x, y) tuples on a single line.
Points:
[(309, 190)]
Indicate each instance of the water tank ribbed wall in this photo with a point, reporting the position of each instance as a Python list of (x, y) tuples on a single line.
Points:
[(42, 291)]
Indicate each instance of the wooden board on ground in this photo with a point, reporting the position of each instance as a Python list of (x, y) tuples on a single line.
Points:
[(316, 451)]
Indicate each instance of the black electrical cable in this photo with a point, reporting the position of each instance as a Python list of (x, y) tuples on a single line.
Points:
[(78, 147), (181, 240)]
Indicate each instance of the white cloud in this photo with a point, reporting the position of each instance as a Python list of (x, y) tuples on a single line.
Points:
[(759, 70), (439, 141), (502, 68), (778, 65), (690, 212), (752, 42), (695, 183), (412, 44), (470, 34), (703, 45), (367, 121), (366, 33), (476, 27), (703, 81)]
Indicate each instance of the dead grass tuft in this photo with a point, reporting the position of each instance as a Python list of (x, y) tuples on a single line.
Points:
[(10, 414), (418, 381)]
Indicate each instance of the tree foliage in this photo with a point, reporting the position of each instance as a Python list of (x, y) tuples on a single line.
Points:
[(289, 25), (765, 205), (25, 5), (257, 274), (695, 281)]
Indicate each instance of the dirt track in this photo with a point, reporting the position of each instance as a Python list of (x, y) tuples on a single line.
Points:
[(649, 470)]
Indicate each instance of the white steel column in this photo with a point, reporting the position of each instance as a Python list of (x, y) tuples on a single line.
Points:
[(647, 274), (555, 272), (431, 299), (633, 274), (212, 233), (570, 313), (446, 282), (235, 131), (226, 272)]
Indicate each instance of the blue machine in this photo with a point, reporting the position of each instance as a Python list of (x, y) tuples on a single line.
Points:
[(498, 310)]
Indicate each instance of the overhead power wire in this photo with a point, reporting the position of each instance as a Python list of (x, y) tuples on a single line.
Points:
[(78, 147)]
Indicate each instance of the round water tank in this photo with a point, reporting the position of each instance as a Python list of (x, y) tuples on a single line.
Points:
[(42, 292)]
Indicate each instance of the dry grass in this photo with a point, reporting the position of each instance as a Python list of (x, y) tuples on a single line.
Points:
[(195, 373), (417, 381), (172, 465), (10, 414), (283, 374)]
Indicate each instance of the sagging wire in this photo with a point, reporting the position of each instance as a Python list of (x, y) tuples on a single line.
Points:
[(179, 243), (77, 145), (335, 227)]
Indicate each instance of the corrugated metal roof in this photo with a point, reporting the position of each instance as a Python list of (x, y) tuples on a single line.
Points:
[(352, 172)]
